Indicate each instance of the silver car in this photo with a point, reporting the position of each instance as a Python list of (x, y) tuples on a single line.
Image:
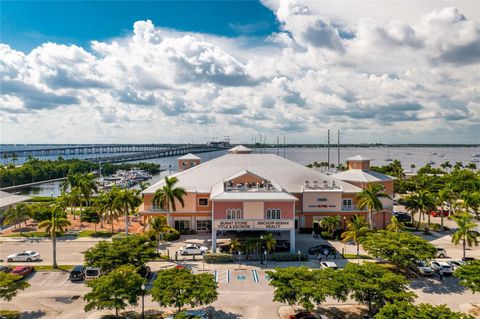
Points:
[(328, 264), (26, 255), (454, 264), (442, 266)]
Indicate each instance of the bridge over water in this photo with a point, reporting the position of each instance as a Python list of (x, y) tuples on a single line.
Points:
[(93, 149)]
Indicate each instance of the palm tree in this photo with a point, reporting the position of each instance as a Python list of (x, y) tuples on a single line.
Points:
[(470, 201), (5, 157), (235, 245), (143, 185), (466, 232), (126, 202), (425, 203), (74, 198), (16, 215), (370, 198), (330, 223), (458, 165), (159, 226), (395, 225), (356, 229), (412, 166), (167, 196), (56, 224), (87, 186), (14, 158), (444, 195), (70, 182), (411, 205), (270, 242), (471, 166)]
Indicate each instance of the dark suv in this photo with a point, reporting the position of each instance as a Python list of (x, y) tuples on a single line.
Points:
[(77, 273)]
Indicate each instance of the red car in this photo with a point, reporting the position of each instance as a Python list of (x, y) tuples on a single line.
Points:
[(23, 271), (439, 213)]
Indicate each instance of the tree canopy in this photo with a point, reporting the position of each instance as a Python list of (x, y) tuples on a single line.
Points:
[(179, 287), (115, 290), (469, 275), (399, 248), (406, 310), (10, 285)]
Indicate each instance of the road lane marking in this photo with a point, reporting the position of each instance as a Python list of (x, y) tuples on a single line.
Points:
[(44, 282)]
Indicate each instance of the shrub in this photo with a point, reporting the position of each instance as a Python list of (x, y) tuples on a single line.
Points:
[(172, 235), (288, 257), (423, 225), (218, 258), (326, 235), (10, 314), (41, 199)]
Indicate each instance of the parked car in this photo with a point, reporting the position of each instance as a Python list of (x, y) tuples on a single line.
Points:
[(441, 252), (92, 273), (303, 315), (27, 255), (320, 249), (456, 263), (193, 314), (23, 271), (77, 273), (443, 266), (328, 264), (5, 269), (438, 213), (193, 249), (403, 217), (422, 268), (468, 258)]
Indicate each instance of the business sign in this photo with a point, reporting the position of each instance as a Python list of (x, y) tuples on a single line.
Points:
[(253, 224)]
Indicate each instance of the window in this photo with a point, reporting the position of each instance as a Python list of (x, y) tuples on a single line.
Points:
[(182, 225), (203, 202), (273, 213), (204, 224), (234, 213), (347, 202)]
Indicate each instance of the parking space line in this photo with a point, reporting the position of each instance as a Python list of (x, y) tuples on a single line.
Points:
[(216, 275), (46, 280), (255, 275), (228, 276)]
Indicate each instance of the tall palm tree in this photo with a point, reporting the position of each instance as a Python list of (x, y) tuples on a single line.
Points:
[(14, 158), (370, 198), (74, 197), (412, 166), (395, 225), (16, 215), (470, 201), (471, 166), (235, 245), (357, 228), (167, 196), (444, 195), (458, 165), (87, 185), (143, 185), (159, 227), (70, 182), (425, 203), (330, 223), (270, 242), (56, 224), (126, 202), (466, 232)]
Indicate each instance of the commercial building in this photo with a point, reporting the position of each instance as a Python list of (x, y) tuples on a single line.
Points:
[(241, 191)]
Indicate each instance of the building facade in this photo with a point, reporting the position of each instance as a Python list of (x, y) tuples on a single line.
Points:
[(241, 191)]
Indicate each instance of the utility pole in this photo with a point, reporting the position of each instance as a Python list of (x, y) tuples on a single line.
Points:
[(328, 149)]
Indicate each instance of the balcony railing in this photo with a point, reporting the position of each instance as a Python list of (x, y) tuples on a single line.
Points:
[(351, 208)]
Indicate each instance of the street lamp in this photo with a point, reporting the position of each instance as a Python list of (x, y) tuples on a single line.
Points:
[(299, 253), (265, 253), (143, 301), (239, 255)]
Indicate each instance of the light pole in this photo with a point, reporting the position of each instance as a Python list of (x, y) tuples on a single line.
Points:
[(265, 253), (143, 301), (261, 260), (239, 255), (299, 254)]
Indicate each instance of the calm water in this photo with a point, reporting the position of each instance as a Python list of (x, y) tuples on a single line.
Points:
[(417, 156)]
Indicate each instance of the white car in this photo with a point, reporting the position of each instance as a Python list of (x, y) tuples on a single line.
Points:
[(442, 266), (454, 264), (423, 268), (193, 249), (328, 264), (27, 255), (441, 252)]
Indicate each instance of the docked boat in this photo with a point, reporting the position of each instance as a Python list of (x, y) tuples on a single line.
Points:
[(476, 155)]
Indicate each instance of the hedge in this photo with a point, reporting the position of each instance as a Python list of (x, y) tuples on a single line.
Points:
[(423, 225), (172, 235), (218, 258), (10, 314), (288, 257)]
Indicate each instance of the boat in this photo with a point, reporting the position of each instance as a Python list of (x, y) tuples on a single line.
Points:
[(475, 160), (434, 153), (442, 155), (430, 162), (388, 159), (476, 155)]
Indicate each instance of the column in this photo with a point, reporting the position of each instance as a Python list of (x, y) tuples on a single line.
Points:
[(292, 241), (170, 220), (193, 221), (214, 240)]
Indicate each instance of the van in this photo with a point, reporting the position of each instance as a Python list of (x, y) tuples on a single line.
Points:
[(77, 273), (92, 273), (441, 252)]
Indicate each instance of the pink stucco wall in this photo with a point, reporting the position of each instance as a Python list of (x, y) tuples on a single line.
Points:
[(285, 207), (220, 208)]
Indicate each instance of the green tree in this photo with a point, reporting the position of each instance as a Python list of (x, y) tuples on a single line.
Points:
[(126, 202), (470, 201), (331, 224), (357, 228), (179, 287), (399, 248), (469, 275), (133, 250), (91, 216), (369, 198), (167, 196), (270, 242), (425, 203), (16, 215), (411, 205), (444, 195), (395, 225), (235, 245), (465, 233), (375, 286), (115, 290), (407, 310), (57, 224), (159, 227), (10, 285)]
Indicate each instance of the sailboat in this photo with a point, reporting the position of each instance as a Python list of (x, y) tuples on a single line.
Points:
[(430, 162), (388, 159)]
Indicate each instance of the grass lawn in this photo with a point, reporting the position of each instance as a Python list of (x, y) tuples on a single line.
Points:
[(354, 256), (49, 268), (100, 233), (29, 234)]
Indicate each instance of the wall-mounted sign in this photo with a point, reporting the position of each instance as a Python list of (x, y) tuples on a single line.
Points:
[(253, 224)]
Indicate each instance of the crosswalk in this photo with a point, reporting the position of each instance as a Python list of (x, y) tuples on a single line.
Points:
[(238, 276)]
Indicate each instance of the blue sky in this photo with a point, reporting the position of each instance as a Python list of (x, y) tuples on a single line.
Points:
[(27, 24), (157, 71)]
